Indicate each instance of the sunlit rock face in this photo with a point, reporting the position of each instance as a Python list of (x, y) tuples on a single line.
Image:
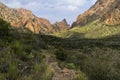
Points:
[(113, 16), (107, 10), (61, 26), (25, 19)]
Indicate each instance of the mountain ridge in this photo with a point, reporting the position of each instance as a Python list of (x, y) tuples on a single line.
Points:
[(25, 19), (61, 26), (91, 52), (99, 10)]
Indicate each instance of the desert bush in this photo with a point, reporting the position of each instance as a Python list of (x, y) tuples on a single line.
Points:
[(13, 72), (102, 65), (81, 76), (2, 77), (70, 65), (42, 71), (61, 54), (5, 31)]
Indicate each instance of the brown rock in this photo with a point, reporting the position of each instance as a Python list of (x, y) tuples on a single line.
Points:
[(61, 26), (107, 10), (25, 19), (113, 17)]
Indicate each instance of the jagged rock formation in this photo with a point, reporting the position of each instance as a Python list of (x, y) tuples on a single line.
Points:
[(113, 16), (25, 19), (107, 10), (62, 25)]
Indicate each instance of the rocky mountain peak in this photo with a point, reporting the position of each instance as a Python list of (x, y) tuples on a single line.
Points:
[(62, 25), (100, 9), (25, 19), (64, 22), (24, 11)]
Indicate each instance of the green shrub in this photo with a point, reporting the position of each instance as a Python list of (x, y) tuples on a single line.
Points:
[(30, 56), (13, 72), (61, 54), (16, 46), (81, 76), (5, 31), (24, 53), (70, 65), (2, 77), (42, 71), (102, 65)]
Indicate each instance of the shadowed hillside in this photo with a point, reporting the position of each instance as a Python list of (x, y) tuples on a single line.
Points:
[(98, 59)]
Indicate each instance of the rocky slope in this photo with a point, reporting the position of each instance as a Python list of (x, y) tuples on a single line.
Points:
[(107, 10), (62, 25), (25, 19)]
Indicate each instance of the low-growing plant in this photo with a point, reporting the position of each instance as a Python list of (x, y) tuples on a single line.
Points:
[(61, 54), (13, 72), (81, 76), (70, 65)]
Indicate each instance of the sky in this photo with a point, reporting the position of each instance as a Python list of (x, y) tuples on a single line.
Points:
[(53, 10)]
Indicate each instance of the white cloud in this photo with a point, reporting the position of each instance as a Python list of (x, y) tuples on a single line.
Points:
[(14, 4), (74, 2), (69, 5), (30, 5), (34, 6), (72, 8), (66, 8)]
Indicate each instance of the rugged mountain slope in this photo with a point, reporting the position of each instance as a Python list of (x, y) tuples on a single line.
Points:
[(113, 16), (62, 25), (96, 21), (107, 10), (25, 19), (93, 30), (26, 56)]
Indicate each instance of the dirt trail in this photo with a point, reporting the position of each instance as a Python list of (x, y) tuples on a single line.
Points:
[(59, 73)]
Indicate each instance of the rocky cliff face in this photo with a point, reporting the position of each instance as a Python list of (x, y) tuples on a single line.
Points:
[(107, 10), (113, 16), (62, 25), (25, 19)]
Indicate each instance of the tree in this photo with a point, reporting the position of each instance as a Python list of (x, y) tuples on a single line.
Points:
[(4, 29)]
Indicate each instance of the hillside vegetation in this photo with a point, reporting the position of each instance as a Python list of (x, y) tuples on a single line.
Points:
[(92, 30), (91, 57), (93, 49), (21, 57), (90, 50)]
